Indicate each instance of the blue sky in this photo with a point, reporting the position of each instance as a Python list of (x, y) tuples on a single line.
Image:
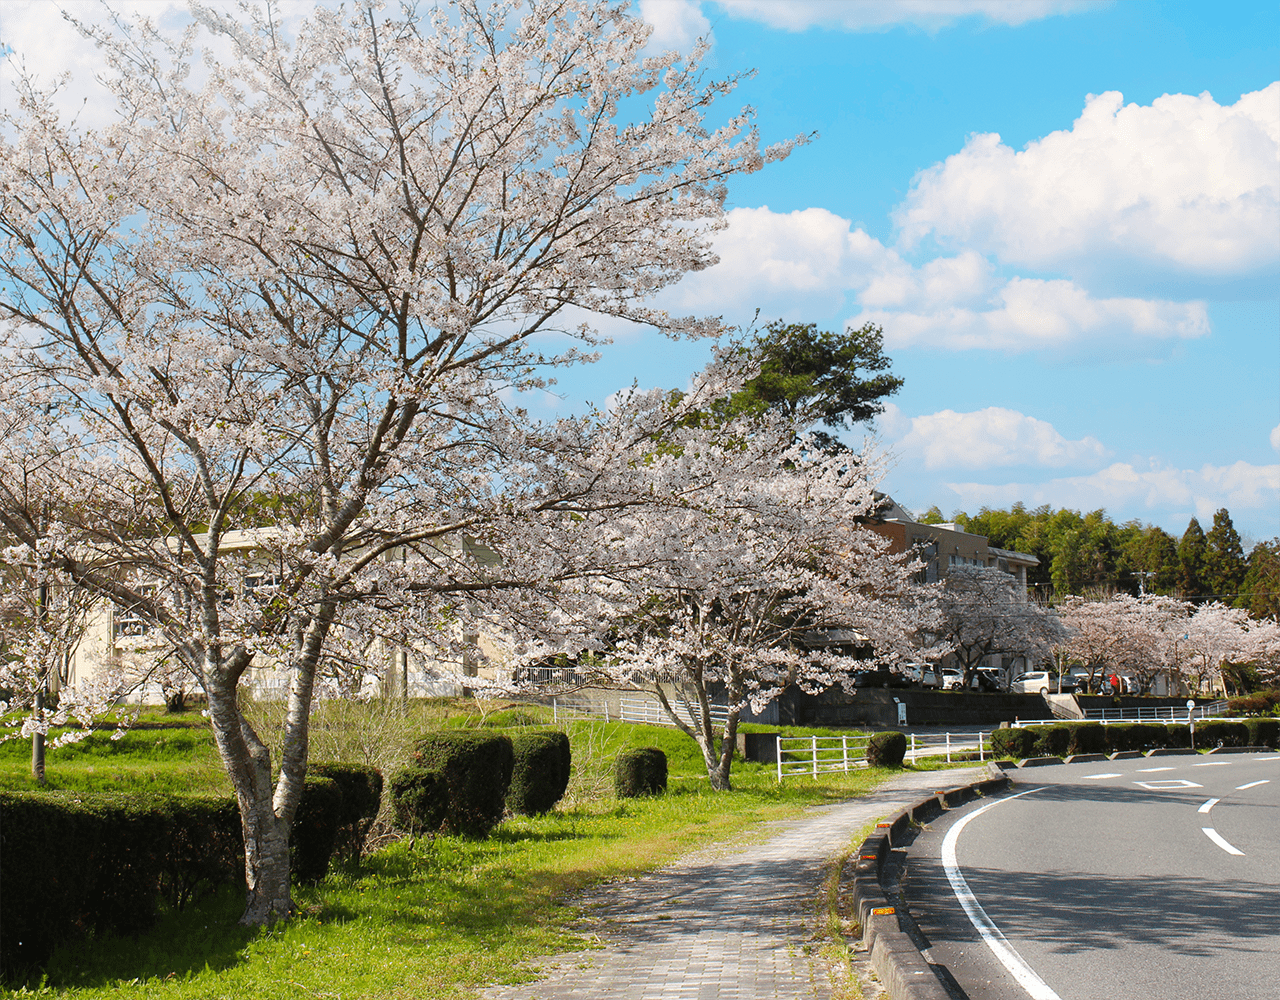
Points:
[(1079, 288), (1085, 310)]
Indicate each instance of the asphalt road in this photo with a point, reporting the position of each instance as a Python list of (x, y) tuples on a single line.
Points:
[(1141, 879)]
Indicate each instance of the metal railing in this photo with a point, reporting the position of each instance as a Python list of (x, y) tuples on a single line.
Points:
[(1168, 713), (949, 745), (815, 755), (649, 713)]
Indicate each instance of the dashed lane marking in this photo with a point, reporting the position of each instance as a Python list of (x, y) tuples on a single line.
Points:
[(1208, 805), (1168, 785), (1253, 784), (1215, 763), (1217, 838), (1109, 774), (1149, 770)]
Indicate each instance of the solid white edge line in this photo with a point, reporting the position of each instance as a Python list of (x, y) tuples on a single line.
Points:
[(1208, 805), (1253, 784), (996, 941), (1217, 838)]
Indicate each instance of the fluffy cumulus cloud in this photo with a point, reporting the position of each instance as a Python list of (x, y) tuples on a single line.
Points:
[(1275, 437), (812, 262), (985, 439), (1185, 184), (677, 24), (865, 15), (1154, 491)]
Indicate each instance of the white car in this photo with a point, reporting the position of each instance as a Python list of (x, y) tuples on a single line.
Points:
[(1032, 682), (951, 680)]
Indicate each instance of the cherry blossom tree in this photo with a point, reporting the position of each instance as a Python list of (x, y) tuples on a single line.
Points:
[(750, 548), (1122, 633), (1216, 634), (280, 314), (984, 612)]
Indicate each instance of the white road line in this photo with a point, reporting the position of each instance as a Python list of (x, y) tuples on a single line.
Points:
[(1214, 763), (996, 941), (1149, 770), (1216, 837), (1109, 774), (1253, 784), (1167, 785), (1208, 805), (1270, 757)]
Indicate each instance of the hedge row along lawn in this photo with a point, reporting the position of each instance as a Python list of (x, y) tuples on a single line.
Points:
[(437, 917)]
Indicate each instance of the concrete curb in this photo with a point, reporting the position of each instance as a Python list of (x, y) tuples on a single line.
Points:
[(1170, 752), (1239, 750), (1039, 761), (1084, 758), (897, 961)]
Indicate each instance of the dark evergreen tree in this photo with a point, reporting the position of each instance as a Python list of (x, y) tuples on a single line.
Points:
[(1260, 593), (847, 374), (1191, 561), (1224, 563)]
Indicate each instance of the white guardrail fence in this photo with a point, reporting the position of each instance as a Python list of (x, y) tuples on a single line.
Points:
[(814, 755)]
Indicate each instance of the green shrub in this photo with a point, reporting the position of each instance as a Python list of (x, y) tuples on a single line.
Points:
[(1263, 732), (206, 849), (542, 764), (1215, 733), (1087, 737), (1122, 736), (456, 782), (1178, 735), (1052, 741), (361, 786), (1151, 736), (886, 749), (315, 828), (640, 771), (1013, 742), (74, 863), (419, 800)]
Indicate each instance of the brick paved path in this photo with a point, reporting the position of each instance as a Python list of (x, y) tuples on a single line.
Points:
[(722, 924)]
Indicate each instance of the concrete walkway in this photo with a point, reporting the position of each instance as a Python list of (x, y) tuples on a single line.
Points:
[(730, 923)]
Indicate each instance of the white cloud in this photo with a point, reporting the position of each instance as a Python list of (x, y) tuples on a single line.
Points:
[(864, 15), (677, 24), (1185, 183), (808, 263), (1159, 488), (985, 439), (1030, 313), (1275, 437)]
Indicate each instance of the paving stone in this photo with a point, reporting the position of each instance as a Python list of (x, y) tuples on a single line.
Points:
[(728, 923)]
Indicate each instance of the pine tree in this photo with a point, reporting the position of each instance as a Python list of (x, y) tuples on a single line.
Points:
[(1192, 551), (1225, 565)]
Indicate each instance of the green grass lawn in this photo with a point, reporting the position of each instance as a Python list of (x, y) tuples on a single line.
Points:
[(437, 918)]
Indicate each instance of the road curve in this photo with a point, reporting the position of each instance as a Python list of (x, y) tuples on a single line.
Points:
[(1147, 878)]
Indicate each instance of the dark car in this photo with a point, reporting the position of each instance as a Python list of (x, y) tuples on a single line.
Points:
[(880, 679)]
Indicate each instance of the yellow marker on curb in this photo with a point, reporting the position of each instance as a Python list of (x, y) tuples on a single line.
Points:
[(881, 911)]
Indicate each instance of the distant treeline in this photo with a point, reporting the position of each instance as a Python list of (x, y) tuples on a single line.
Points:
[(1091, 554)]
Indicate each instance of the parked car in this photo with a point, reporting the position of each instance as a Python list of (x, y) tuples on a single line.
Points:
[(951, 680), (1034, 682), (924, 674), (880, 679), (986, 680)]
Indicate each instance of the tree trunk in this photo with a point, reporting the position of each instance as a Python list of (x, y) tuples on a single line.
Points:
[(266, 835)]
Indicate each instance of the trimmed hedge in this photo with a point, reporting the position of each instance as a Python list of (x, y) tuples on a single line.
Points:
[(361, 787), (1178, 735), (315, 829), (456, 783), (1016, 743), (206, 849), (1052, 741), (73, 863), (1087, 737), (886, 749), (1263, 732), (1212, 733), (640, 771), (540, 775)]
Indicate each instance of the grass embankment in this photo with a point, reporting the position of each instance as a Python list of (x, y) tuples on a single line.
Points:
[(444, 916)]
